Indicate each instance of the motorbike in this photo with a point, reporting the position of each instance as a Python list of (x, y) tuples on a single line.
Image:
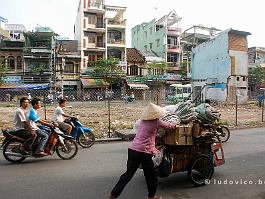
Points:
[(83, 135), (64, 146), (222, 132)]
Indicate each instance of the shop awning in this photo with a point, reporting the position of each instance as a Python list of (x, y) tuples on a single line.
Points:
[(24, 86), (94, 83), (138, 86)]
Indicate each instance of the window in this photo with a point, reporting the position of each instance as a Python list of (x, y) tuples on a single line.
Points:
[(134, 70), (145, 47), (2, 60), (151, 30), (92, 57), (114, 36), (69, 67), (172, 57), (84, 23), (84, 43), (11, 62), (244, 78), (158, 27), (91, 19), (19, 62), (157, 43), (150, 46), (91, 37), (237, 79), (114, 53), (172, 42)]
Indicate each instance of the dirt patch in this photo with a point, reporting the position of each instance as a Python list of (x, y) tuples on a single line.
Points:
[(123, 115)]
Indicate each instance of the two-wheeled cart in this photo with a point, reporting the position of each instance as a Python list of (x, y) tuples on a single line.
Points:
[(198, 157)]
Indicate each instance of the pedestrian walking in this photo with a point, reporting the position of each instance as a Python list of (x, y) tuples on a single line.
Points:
[(142, 149)]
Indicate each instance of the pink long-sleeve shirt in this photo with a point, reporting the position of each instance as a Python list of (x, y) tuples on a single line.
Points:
[(144, 140)]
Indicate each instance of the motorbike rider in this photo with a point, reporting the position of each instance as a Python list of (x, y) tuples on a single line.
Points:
[(59, 115), (22, 126), (34, 118)]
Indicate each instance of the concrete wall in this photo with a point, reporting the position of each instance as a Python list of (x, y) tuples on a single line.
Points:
[(211, 59)]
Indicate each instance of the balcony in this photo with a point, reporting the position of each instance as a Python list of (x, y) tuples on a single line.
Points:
[(116, 42), (171, 48), (173, 31), (95, 28), (173, 66), (116, 24), (94, 7)]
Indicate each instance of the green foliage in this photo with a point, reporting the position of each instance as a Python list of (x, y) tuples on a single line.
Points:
[(3, 71), (39, 68), (158, 65), (107, 69), (257, 75), (183, 67)]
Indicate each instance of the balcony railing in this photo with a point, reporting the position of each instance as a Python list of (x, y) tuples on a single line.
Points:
[(116, 41), (100, 25), (100, 45), (173, 46), (173, 31), (115, 22)]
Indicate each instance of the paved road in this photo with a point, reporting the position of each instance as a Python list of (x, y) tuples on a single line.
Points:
[(94, 171)]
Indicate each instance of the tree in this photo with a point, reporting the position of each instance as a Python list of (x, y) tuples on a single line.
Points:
[(256, 75), (3, 71), (39, 68), (183, 67), (108, 69)]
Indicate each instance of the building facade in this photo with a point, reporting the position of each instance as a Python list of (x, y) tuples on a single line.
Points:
[(161, 37), (100, 30), (68, 63), (220, 67), (256, 56)]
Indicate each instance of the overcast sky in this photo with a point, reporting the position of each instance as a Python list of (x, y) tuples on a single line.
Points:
[(223, 14)]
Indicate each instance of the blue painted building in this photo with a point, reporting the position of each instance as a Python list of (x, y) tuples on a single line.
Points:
[(220, 67)]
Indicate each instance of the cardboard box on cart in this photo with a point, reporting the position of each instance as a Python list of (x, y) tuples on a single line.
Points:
[(182, 135)]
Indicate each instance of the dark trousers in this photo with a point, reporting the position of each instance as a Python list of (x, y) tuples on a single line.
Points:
[(29, 138), (136, 158)]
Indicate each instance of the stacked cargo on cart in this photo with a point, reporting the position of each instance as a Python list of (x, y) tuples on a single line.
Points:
[(186, 151)]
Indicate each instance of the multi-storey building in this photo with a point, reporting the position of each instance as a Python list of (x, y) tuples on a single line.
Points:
[(161, 37), (100, 31), (220, 67), (67, 65), (11, 51)]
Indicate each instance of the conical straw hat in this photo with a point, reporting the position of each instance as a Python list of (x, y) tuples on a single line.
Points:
[(152, 112)]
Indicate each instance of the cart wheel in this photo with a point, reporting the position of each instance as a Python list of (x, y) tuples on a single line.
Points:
[(200, 170)]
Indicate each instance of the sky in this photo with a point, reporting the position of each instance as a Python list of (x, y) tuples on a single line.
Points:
[(60, 15)]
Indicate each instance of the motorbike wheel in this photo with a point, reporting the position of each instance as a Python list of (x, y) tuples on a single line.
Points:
[(11, 152), (86, 140), (225, 133), (68, 150)]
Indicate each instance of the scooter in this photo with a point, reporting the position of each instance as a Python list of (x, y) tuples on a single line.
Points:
[(83, 135), (64, 145)]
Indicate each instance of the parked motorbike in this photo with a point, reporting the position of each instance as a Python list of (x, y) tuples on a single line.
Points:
[(222, 132), (64, 146), (83, 135)]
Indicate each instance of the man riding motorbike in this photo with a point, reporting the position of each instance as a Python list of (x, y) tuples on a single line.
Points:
[(34, 118), (59, 115), (22, 126)]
